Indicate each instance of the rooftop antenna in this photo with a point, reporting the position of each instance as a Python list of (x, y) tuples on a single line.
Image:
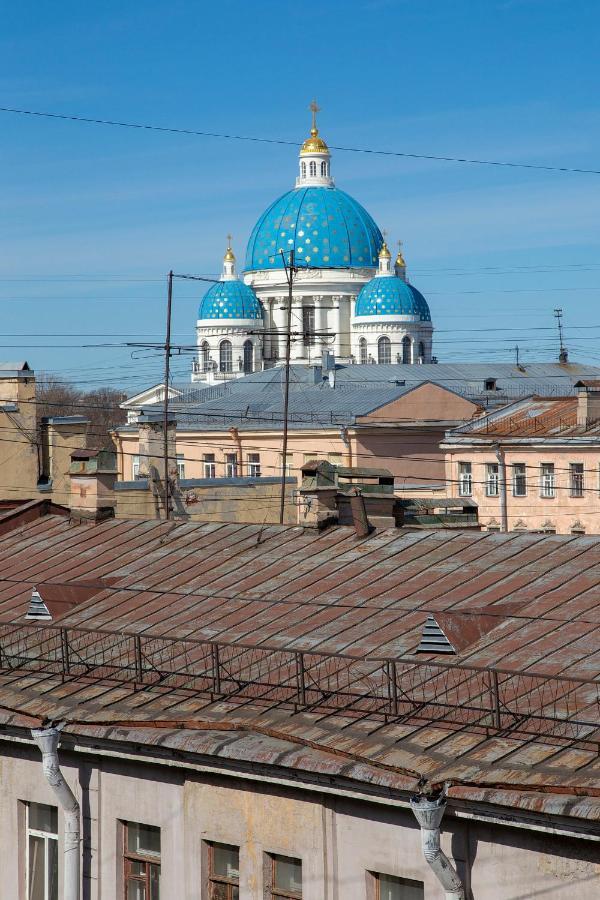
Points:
[(563, 354)]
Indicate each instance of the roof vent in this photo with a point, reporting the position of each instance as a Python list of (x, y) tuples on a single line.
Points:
[(433, 639), (37, 608)]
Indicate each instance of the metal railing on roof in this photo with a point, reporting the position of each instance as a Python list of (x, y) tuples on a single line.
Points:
[(505, 702)]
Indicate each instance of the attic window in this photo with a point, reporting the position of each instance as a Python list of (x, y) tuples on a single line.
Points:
[(433, 639), (490, 384)]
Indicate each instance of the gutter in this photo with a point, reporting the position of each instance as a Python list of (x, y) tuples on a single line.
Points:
[(502, 486), (47, 740)]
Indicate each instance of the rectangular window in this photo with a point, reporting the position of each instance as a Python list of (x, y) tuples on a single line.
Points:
[(231, 465), (335, 459), (210, 468), (576, 479), (390, 888), (465, 479), (141, 860), (283, 878), (254, 465), (180, 466), (547, 483), (288, 463), (223, 872), (135, 467), (491, 480), (308, 325), (519, 479), (42, 852)]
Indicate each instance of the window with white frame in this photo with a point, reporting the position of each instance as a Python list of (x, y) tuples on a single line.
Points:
[(362, 351), (547, 483), (308, 325), (406, 350), (384, 351), (288, 464), (204, 353), (225, 356), (248, 349), (231, 465), (135, 467), (324, 169), (313, 168), (180, 466), (491, 480), (465, 479), (210, 466), (253, 461), (42, 851), (303, 169), (576, 479), (389, 887), (519, 480)]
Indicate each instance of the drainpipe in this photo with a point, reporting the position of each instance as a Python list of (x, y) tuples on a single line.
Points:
[(347, 443), (429, 813), (502, 486), (238, 443), (47, 740)]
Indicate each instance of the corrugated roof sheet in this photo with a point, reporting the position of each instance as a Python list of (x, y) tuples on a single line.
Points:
[(275, 598), (535, 417)]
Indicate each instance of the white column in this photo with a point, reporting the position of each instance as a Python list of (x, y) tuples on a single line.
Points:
[(337, 327), (279, 324)]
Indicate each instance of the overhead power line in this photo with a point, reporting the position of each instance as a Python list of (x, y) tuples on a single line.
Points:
[(262, 140)]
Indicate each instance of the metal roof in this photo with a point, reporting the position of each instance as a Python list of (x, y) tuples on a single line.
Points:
[(535, 417), (309, 638), (256, 401)]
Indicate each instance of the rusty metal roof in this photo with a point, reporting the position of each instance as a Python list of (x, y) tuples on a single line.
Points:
[(537, 417), (284, 634)]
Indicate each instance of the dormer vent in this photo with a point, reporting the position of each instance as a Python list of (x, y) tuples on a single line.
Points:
[(38, 610), (433, 639)]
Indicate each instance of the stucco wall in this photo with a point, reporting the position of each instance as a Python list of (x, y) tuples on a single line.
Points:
[(339, 840)]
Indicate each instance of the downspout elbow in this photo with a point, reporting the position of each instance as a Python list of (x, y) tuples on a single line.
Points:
[(47, 740), (429, 815)]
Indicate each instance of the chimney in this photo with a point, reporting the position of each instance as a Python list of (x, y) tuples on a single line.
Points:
[(588, 403), (360, 519), (93, 474)]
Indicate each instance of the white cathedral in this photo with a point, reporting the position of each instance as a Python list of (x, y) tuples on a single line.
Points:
[(346, 297)]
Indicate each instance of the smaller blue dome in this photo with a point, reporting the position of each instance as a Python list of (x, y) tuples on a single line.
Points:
[(391, 296), (230, 300)]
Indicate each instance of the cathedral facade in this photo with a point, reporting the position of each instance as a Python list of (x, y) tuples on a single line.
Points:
[(347, 297)]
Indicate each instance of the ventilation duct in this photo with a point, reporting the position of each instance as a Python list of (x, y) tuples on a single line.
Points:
[(433, 639), (37, 608)]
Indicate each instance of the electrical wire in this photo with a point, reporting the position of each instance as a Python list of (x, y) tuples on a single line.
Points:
[(88, 120)]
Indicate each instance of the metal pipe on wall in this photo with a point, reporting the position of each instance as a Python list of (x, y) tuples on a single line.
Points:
[(47, 740), (429, 813), (502, 487)]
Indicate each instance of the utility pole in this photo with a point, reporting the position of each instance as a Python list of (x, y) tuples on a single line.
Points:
[(563, 355), (166, 397), (290, 269)]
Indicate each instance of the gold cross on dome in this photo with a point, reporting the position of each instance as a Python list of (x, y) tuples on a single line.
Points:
[(314, 110), (384, 232), (229, 240)]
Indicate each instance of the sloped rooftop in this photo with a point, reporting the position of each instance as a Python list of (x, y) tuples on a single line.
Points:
[(302, 646)]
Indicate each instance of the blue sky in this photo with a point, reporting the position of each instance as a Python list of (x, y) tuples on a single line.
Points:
[(93, 217)]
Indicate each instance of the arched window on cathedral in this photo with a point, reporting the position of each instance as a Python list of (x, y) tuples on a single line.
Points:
[(324, 168), (406, 350), (313, 168), (248, 357), (204, 353), (303, 169), (225, 357), (362, 351), (421, 352), (384, 351)]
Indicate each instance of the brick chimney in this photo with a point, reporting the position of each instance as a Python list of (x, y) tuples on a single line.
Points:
[(588, 403), (93, 474)]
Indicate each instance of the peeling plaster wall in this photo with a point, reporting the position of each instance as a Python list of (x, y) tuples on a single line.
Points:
[(339, 840)]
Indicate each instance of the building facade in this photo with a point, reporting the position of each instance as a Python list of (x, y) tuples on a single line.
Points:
[(532, 466), (347, 298)]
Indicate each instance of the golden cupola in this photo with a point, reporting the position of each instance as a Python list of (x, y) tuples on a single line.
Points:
[(315, 143)]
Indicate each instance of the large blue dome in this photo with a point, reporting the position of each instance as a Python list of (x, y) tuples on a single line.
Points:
[(230, 299), (325, 227), (391, 296)]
